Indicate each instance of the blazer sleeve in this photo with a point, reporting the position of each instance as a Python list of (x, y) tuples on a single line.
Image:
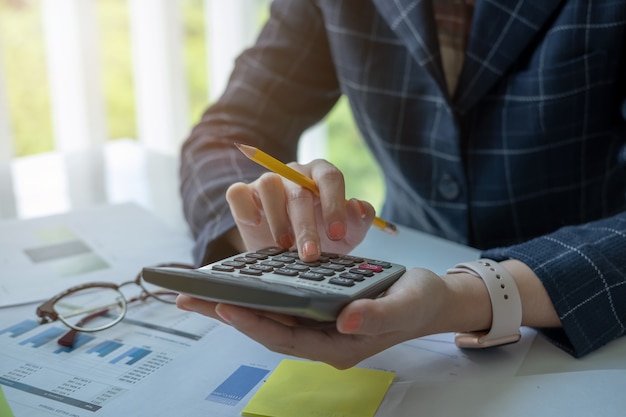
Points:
[(279, 87), (583, 269)]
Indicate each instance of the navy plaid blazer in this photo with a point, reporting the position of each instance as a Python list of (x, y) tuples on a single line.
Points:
[(527, 159)]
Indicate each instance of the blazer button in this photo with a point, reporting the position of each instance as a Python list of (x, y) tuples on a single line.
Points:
[(448, 187)]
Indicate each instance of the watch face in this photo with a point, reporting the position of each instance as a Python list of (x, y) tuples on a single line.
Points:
[(481, 340)]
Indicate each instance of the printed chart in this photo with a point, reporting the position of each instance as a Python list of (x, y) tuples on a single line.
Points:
[(101, 367)]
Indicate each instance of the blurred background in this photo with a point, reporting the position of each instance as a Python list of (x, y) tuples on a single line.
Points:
[(78, 73)]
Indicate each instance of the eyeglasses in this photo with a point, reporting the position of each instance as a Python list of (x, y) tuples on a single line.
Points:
[(97, 306)]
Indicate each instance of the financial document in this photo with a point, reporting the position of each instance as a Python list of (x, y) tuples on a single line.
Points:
[(103, 369), (43, 256)]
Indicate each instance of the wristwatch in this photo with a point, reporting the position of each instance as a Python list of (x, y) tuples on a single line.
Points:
[(506, 305)]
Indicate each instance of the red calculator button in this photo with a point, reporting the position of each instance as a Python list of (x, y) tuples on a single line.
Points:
[(370, 267)]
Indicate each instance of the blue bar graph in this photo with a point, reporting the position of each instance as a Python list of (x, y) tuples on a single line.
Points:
[(135, 354), (237, 385), (81, 339), (20, 328), (44, 337), (104, 348)]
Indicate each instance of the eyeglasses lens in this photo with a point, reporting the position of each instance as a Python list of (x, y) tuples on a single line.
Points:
[(91, 309)]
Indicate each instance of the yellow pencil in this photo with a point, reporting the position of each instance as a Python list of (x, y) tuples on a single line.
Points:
[(291, 174)]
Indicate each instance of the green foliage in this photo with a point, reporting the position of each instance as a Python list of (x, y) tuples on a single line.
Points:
[(21, 45), (348, 151)]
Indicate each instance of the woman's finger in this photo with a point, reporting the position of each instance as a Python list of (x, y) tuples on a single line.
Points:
[(271, 192), (247, 211), (332, 189)]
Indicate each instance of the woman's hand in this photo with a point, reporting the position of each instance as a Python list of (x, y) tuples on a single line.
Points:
[(418, 304), (273, 211)]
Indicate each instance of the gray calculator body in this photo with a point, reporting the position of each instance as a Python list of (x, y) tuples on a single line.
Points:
[(275, 279)]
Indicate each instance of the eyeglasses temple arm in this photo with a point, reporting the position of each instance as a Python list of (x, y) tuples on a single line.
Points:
[(69, 338)]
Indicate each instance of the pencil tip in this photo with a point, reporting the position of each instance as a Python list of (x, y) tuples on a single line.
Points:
[(248, 151), (391, 228)]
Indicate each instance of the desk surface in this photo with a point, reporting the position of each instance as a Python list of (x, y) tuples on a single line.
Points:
[(433, 377)]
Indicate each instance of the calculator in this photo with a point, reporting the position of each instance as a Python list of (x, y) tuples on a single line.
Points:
[(275, 279)]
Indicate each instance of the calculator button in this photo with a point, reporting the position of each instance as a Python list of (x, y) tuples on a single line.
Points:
[(334, 267), (292, 254), (256, 255), (371, 267), (284, 258), (311, 264), (312, 276), (262, 268), (273, 264), (250, 271), (245, 259), (354, 259), (298, 267), (234, 264), (362, 272), (222, 268), (385, 265), (352, 276), (323, 271), (344, 282), (342, 261), (271, 251), (286, 271)]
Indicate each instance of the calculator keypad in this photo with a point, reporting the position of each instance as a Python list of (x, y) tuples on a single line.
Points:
[(341, 271)]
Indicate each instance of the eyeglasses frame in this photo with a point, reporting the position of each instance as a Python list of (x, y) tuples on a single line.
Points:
[(47, 313)]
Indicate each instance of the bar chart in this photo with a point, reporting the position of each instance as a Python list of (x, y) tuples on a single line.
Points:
[(100, 367), (43, 337), (20, 328), (102, 349)]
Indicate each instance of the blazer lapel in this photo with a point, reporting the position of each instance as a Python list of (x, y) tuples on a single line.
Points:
[(501, 31), (413, 23)]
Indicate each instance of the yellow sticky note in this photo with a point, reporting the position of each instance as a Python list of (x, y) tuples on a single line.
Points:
[(308, 389), (5, 410)]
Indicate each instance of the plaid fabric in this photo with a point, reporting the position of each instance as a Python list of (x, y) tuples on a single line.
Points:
[(528, 157)]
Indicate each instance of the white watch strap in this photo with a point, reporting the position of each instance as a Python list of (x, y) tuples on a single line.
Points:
[(506, 305)]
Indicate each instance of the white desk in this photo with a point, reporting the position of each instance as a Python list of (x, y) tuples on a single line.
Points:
[(433, 378)]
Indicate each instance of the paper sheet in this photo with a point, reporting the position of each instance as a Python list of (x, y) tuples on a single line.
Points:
[(41, 378), (43, 256), (311, 389)]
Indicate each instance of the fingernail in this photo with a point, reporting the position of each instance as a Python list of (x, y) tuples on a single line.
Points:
[(249, 219), (181, 305), (310, 249), (362, 209), (337, 230), (352, 323), (224, 315), (285, 241), (250, 222)]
